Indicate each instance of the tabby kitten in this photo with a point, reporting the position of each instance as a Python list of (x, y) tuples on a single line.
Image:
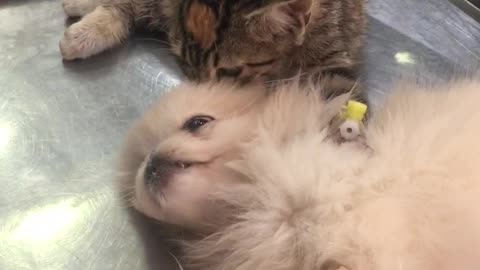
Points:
[(240, 39)]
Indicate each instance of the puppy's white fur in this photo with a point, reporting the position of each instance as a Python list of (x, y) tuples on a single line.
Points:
[(183, 198), (408, 201), (188, 197)]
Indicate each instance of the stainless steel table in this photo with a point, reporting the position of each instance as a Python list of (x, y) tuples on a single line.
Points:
[(61, 125)]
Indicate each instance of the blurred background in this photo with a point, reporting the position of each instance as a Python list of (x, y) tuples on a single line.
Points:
[(61, 124)]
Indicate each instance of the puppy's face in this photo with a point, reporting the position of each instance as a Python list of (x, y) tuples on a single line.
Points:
[(175, 157)]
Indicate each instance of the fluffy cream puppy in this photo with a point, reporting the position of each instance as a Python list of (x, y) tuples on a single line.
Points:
[(176, 157), (409, 200)]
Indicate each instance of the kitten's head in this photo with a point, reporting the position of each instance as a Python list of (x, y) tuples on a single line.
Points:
[(244, 40), (176, 155)]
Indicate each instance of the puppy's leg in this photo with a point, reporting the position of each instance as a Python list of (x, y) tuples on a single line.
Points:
[(79, 8), (106, 27)]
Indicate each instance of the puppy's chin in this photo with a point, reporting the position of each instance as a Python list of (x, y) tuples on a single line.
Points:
[(186, 199)]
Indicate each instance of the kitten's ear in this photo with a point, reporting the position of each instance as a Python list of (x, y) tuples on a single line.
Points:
[(281, 16)]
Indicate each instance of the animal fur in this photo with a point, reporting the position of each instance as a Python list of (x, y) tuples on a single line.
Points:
[(182, 196), (407, 201), (238, 39)]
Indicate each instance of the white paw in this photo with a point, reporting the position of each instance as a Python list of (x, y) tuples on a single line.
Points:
[(78, 8), (79, 42)]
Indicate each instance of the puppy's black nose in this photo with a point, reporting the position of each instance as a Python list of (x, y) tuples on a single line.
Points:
[(158, 170)]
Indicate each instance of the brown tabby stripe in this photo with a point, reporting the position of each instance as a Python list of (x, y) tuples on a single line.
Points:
[(192, 52), (252, 4)]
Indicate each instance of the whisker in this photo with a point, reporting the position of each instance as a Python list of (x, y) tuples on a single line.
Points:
[(283, 80), (144, 17), (176, 260), (158, 76), (163, 42)]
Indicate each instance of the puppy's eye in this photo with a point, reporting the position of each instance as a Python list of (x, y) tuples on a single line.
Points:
[(229, 72), (196, 122)]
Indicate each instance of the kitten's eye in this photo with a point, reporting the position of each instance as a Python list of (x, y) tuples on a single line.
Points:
[(229, 72), (260, 64), (196, 122)]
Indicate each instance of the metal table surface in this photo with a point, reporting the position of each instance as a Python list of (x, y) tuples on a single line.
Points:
[(61, 125)]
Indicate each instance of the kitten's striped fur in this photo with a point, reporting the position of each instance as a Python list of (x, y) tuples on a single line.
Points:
[(243, 39)]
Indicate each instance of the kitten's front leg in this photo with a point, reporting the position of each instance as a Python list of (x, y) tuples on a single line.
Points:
[(102, 29)]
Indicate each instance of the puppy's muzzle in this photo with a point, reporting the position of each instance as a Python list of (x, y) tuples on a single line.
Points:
[(160, 169)]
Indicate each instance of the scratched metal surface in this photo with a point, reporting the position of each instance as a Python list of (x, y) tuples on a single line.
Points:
[(61, 125)]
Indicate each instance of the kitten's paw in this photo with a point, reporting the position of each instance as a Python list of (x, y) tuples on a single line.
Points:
[(78, 8), (79, 42)]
